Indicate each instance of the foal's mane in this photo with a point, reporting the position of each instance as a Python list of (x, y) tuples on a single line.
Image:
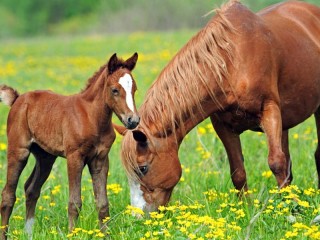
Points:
[(173, 96)]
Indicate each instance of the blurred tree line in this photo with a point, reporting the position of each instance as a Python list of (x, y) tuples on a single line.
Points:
[(38, 17)]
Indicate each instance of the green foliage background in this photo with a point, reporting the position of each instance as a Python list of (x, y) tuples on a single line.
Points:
[(30, 17)]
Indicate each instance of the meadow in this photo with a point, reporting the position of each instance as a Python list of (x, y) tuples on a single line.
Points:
[(204, 204)]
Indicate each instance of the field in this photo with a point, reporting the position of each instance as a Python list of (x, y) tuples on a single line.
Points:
[(204, 204)]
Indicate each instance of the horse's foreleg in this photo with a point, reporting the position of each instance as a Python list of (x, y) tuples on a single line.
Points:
[(32, 187), (271, 123), (17, 159), (99, 172), (285, 148), (75, 167), (232, 144), (317, 153)]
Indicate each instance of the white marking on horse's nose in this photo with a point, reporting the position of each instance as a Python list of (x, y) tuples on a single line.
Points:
[(126, 82), (136, 195)]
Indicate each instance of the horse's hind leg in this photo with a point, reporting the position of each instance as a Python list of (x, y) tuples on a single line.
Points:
[(317, 153), (32, 187), (17, 159), (99, 172), (232, 144)]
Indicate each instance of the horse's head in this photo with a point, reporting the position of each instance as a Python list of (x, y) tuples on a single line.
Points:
[(120, 88), (152, 166)]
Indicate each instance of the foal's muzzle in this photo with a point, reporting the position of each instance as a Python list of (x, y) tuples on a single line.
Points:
[(131, 121)]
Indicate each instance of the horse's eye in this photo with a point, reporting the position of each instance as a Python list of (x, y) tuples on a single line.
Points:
[(115, 91), (143, 169)]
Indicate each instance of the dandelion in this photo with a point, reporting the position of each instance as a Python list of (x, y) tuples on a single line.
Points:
[(115, 188), (106, 219), (134, 211), (3, 146), (201, 131), (266, 174)]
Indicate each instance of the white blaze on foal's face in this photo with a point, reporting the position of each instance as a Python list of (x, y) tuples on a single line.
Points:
[(126, 82)]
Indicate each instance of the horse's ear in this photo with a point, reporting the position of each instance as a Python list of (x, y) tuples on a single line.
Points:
[(130, 63), (139, 136), (120, 129), (113, 63)]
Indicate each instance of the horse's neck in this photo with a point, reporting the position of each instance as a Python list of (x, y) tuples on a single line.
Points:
[(207, 108)]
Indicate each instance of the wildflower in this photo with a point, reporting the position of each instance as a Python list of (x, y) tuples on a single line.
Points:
[(115, 188), (100, 234), (267, 174), (106, 219), (303, 204), (201, 131), (3, 146), (134, 211)]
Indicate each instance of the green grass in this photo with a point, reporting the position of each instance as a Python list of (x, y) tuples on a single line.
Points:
[(203, 204)]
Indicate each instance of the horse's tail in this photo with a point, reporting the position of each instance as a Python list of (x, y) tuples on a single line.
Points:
[(8, 95)]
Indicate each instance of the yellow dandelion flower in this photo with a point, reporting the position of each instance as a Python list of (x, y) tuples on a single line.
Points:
[(201, 130), (266, 174), (3, 146)]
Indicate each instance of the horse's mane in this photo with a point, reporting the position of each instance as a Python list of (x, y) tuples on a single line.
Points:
[(173, 96)]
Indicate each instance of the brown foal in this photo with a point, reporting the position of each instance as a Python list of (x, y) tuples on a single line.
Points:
[(76, 127)]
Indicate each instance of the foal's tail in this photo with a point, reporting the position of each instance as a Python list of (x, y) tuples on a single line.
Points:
[(8, 95)]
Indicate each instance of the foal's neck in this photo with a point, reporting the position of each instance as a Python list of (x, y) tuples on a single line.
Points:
[(94, 97)]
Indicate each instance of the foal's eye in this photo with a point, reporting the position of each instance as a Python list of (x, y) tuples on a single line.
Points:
[(115, 91), (143, 169)]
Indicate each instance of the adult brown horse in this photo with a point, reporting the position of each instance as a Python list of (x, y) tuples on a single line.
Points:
[(244, 71), (76, 127)]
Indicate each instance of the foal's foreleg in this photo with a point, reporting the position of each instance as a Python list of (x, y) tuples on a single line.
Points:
[(99, 172), (17, 159), (232, 144), (75, 167), (32, 187), (317, 153), (271, 123)]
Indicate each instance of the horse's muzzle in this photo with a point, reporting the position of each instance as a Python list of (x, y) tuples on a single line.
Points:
[(131, 122)]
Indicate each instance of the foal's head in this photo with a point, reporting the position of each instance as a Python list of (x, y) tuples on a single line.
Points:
[(120, 88)]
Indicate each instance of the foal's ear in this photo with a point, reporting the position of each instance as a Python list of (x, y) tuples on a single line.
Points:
[(113, 63), (140, 137), (130, 63), (120, 129)]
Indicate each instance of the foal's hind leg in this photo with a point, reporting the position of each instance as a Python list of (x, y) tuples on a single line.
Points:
[(99, 172), (232, 144), (32, 187), (317, 153), (17, 159)]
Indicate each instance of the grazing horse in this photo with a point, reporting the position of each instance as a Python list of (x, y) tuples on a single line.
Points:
[(76, 127), (245, 71)]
